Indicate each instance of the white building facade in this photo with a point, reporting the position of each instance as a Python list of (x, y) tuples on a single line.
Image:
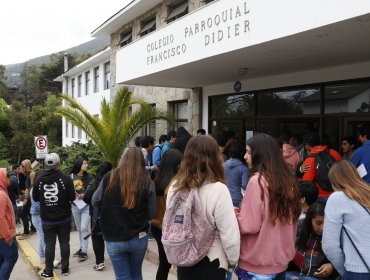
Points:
[(241, 65), (88, 83)]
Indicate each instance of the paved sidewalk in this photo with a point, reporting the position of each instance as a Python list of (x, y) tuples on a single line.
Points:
[(84, 270)]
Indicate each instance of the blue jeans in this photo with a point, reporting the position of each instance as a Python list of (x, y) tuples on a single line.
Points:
[(8, 258), (348, 275), (36, 220), (127, 257), (82, 219)]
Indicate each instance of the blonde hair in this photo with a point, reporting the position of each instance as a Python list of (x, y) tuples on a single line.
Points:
[(344, 177)]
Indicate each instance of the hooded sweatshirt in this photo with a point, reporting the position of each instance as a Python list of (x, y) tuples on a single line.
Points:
[(291, 156), (55, 191), (7, 218), (236, 174)]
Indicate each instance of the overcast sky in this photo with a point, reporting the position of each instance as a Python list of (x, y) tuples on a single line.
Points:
[(30, 29)]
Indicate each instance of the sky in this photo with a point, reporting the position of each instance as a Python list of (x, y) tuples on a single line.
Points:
[(29, 29)]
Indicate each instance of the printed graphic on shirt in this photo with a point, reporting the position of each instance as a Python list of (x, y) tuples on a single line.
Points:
[(78, 185), (51, 194)]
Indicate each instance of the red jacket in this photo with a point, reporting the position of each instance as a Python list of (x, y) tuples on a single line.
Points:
[(311, 173), (7, 219)]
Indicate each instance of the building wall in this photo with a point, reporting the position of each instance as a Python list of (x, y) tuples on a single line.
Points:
[(91, 101), (160, 96)]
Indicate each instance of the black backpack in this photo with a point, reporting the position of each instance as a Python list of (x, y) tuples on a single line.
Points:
[(323, 162)]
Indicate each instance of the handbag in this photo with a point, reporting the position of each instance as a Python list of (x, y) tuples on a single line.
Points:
[(354, 246)]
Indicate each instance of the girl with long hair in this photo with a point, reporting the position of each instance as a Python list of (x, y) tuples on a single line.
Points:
[(268, 212), (127, 200), (346, 235), (81, 178), (202, 168), (95, 214), (169, 166), (310, 258)]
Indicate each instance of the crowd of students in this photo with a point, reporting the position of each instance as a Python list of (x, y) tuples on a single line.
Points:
[(266, 222)]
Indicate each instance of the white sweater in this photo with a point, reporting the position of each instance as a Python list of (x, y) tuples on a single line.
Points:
[(342, 211), (216, 201)]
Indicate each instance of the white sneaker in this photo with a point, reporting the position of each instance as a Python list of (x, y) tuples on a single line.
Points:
[(99, 267)]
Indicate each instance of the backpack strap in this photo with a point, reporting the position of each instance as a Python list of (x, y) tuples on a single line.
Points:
[(353, 244)]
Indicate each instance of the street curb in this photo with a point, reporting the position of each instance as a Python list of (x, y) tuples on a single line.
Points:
[(32, 257)]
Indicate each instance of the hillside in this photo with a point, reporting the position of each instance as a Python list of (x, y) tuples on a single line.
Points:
[(14, 71)]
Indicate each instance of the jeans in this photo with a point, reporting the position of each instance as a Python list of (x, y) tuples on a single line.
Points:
[(82, 219), (8, 258), (50, 235), (127, 256), (164, 266), (348, 275), (36, 220)]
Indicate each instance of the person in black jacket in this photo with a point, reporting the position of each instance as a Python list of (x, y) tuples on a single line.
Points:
[(127, 199), (95, 213), (13, 189), (55, 191)]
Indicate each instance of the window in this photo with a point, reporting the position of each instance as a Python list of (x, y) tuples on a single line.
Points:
[(79, 131), (177, 10), (79, 86), (126, 38), (180, 111), (232, 106), (347, 98), (96, 79), (147, 27), (87, 82), (107, 75), (150, 129), (67, 129), (73, 88), (73, 131)]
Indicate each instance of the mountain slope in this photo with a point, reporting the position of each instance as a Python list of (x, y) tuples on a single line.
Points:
[(14, 71)]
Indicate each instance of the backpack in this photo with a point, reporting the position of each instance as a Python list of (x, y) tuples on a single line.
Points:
[(187, 235), (323, 162)]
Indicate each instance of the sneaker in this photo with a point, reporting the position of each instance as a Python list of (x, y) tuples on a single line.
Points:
[(99, 267), (23, 236), (65, 272), (77, 253), (45, 275), (82, 256), (56, 263)]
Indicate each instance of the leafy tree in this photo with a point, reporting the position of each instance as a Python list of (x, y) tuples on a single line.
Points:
[(38, 81), (44, 121), (69, 154), (4, 90), (113, 132), (22, 145), (4, 131)]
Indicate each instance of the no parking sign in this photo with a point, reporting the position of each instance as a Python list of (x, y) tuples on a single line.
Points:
[(41, 146)]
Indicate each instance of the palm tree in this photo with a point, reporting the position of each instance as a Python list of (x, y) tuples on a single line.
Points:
[(114, 130)]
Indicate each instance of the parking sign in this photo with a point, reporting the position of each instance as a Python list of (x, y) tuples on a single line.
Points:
[(41, 146)]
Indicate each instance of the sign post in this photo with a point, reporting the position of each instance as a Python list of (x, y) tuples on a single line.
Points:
[(41, 146)]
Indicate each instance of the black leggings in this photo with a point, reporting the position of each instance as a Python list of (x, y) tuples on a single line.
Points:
[(205, 269), (164, 266)]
